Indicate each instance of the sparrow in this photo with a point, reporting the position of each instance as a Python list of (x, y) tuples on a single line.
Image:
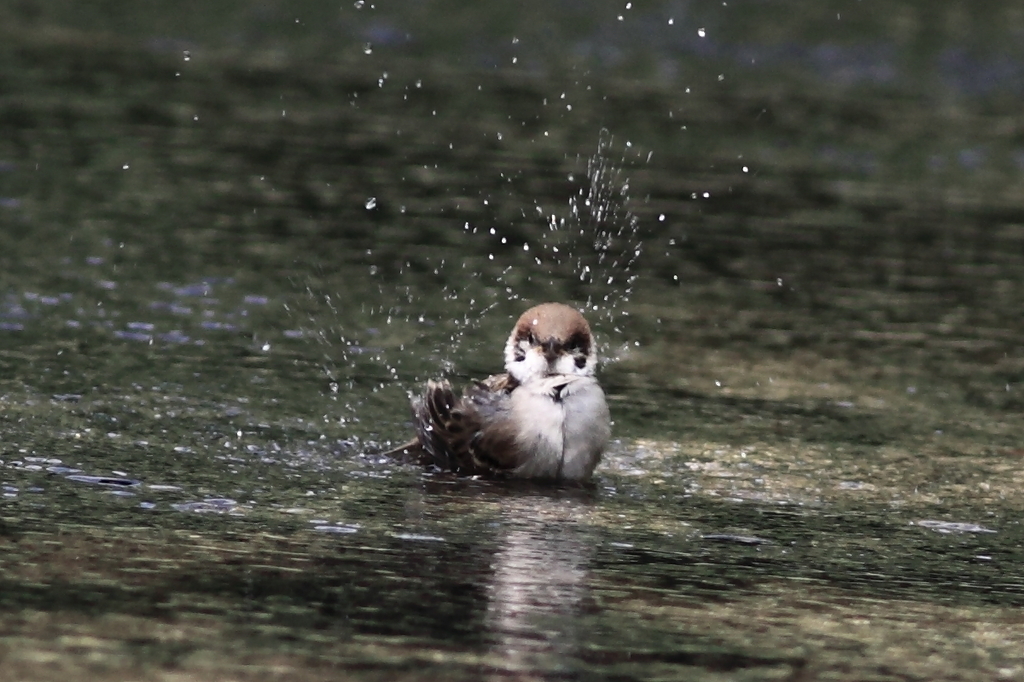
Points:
[(544, 418)]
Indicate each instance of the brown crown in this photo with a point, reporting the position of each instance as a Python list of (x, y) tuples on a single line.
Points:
[(554, 322)]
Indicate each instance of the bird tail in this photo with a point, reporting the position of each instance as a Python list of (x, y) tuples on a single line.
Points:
[(413, 447)]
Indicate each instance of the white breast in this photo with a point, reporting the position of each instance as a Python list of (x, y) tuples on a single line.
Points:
[(563, 426)]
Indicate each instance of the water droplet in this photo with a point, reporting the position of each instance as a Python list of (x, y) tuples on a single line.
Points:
[(371, 203), (701, 32), (187, 55), (368, 48)]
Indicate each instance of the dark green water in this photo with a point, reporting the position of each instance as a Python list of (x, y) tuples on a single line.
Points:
[(220, 276)]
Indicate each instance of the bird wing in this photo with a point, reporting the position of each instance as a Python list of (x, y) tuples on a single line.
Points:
[(472, 434)]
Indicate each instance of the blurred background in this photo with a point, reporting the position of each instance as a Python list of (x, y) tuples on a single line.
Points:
[(830, 170)]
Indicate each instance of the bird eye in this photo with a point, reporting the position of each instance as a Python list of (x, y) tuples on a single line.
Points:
[(531, 339), (577, 344)]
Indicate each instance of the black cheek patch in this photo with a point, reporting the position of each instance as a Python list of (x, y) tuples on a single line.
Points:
[(519, 354)]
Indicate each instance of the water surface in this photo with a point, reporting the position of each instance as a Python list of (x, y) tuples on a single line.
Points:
[(221, 277)]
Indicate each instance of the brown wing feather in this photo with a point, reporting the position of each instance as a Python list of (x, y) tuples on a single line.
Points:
[(434, 427), (499, 383), (487, 402), (451, 430)]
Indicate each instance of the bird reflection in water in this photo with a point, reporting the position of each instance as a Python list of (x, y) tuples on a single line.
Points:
[(539, 588)]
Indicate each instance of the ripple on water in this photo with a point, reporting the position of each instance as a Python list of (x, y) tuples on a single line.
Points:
[(198, 289), (416, 537), (104, 480), (738, 539), (340, 529), (63, 470), (952, 527), (211, 505), (174, 336), (133, 335)]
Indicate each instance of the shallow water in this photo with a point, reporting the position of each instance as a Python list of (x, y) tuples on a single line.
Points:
[(220, 278)]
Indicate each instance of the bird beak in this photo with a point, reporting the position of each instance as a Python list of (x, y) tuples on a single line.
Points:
[(551, 349)]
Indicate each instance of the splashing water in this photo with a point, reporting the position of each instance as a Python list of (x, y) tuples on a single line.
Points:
[(586, 256), (596, 246), (600, 218)]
